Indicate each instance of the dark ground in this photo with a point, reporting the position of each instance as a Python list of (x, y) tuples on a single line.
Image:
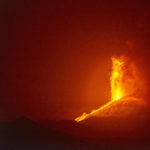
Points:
[(93, 133), (24, 134)]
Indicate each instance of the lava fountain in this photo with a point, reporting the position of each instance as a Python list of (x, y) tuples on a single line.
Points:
[(128, 87)]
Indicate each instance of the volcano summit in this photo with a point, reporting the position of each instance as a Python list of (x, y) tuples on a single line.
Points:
[(128, 88)]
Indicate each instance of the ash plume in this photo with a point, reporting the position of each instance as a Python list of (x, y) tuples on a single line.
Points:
[(139, 46)]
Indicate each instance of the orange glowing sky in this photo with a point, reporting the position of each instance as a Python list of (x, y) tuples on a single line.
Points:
[(56, 55)]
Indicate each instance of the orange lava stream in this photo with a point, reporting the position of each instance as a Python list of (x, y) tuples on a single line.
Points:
[(84, 115)]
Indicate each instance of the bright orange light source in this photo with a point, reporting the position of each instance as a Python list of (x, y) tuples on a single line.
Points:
[(125, 80), (117, 96)]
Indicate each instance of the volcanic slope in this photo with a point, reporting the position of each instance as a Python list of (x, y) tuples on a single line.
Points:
[(124, 107), (124, 123)]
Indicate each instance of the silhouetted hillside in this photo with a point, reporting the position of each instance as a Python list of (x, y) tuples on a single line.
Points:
[(24, 134)]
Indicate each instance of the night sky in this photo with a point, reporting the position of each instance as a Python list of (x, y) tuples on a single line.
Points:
[(56, 54)]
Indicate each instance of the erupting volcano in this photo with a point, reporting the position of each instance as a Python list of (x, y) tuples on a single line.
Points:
[(128, 87)]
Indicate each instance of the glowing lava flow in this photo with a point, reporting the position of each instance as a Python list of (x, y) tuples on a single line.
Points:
[(84, 115), (123, 79)]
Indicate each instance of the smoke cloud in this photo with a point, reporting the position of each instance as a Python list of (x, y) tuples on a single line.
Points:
[(132, 78), (139, 46)]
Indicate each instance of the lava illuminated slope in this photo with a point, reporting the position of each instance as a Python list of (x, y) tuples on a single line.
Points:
[(126, 106), (128, 87)]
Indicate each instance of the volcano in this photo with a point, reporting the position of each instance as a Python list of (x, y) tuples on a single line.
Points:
[(125, 107), (128, 89), (124, 123), (125, 120)]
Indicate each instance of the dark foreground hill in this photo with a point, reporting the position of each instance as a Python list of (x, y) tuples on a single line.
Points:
[(24, 134)]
